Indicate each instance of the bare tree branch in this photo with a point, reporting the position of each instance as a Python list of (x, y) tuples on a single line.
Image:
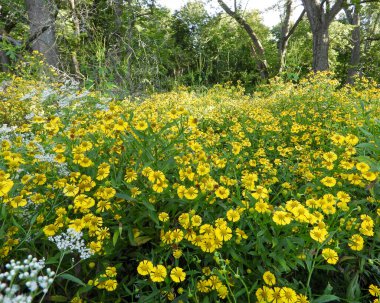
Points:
[(293, 28), (259, 50), (330, 15)]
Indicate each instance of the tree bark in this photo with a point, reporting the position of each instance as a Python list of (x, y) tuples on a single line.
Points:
[(320, 19), (284, 32), (321, 43), (41, 15), (4, 61), (354, 19), (259, 50), (76, 22)]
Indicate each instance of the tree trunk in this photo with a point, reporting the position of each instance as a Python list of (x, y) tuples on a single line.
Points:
[(321, 49), (284, 32), (41, 15), (320, 16), (4, 62), (76, 39), (354, 19), (129, 51)]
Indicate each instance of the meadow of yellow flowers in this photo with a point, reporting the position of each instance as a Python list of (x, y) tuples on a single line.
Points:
[(185, 197)]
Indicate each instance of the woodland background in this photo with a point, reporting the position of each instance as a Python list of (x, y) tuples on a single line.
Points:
[(136, 47)]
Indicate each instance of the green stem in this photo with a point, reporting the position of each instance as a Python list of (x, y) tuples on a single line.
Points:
[(309, 279), (246, 289), (229, 288), (59, 265)]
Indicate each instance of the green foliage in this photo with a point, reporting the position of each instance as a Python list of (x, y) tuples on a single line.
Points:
[(238, 194)]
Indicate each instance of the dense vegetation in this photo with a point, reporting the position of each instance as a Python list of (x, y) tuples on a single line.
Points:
[(151, 156), (137, 47), (193, 197)]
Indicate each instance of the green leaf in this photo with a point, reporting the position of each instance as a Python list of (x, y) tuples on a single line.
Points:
[(142, 240), (84, 289), (326, 298), (58, 298), (125, 197), (72, 279), (115, 237), (326, 267), (206, 300)]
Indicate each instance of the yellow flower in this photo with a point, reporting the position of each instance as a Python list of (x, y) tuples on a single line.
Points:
[(374, 290), (330, 156), (181, 191), (223, 233), (77, 224), (184, 220), (288, 295), (177, 253), (39, 179), (233, 215), (196, 221), (249, 180), (135, 192), (264, 294), (102, 206), (145, 267), (260, 193), (369, 175), (269, 278), (18, 201), (356, 242), (154, 176), (85, 162), (362, 167), (110, 285), (70, 190), (141, 125), (191, 193), (158, 273), (163, 216), (319, 234), (176, 235), (50, 230), (281, 217), (328, 181), (330, 255), (130, 175), (262, 207), (222, 192), (204, 286), (159, 186), (203, 169), (222, 291), (177, 275), (351, 139), (302, 299), (111, 271)]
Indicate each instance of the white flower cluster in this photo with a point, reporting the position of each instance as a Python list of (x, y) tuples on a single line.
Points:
[(46, 93), (64, 103), (28, 95), (63, 170), (72, 241), (29, 116), (46, 158), (21, 276), (102, 107), (50, 158), (5, 131)]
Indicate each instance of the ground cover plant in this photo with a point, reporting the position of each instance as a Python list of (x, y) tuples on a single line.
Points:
[(190, 197)]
